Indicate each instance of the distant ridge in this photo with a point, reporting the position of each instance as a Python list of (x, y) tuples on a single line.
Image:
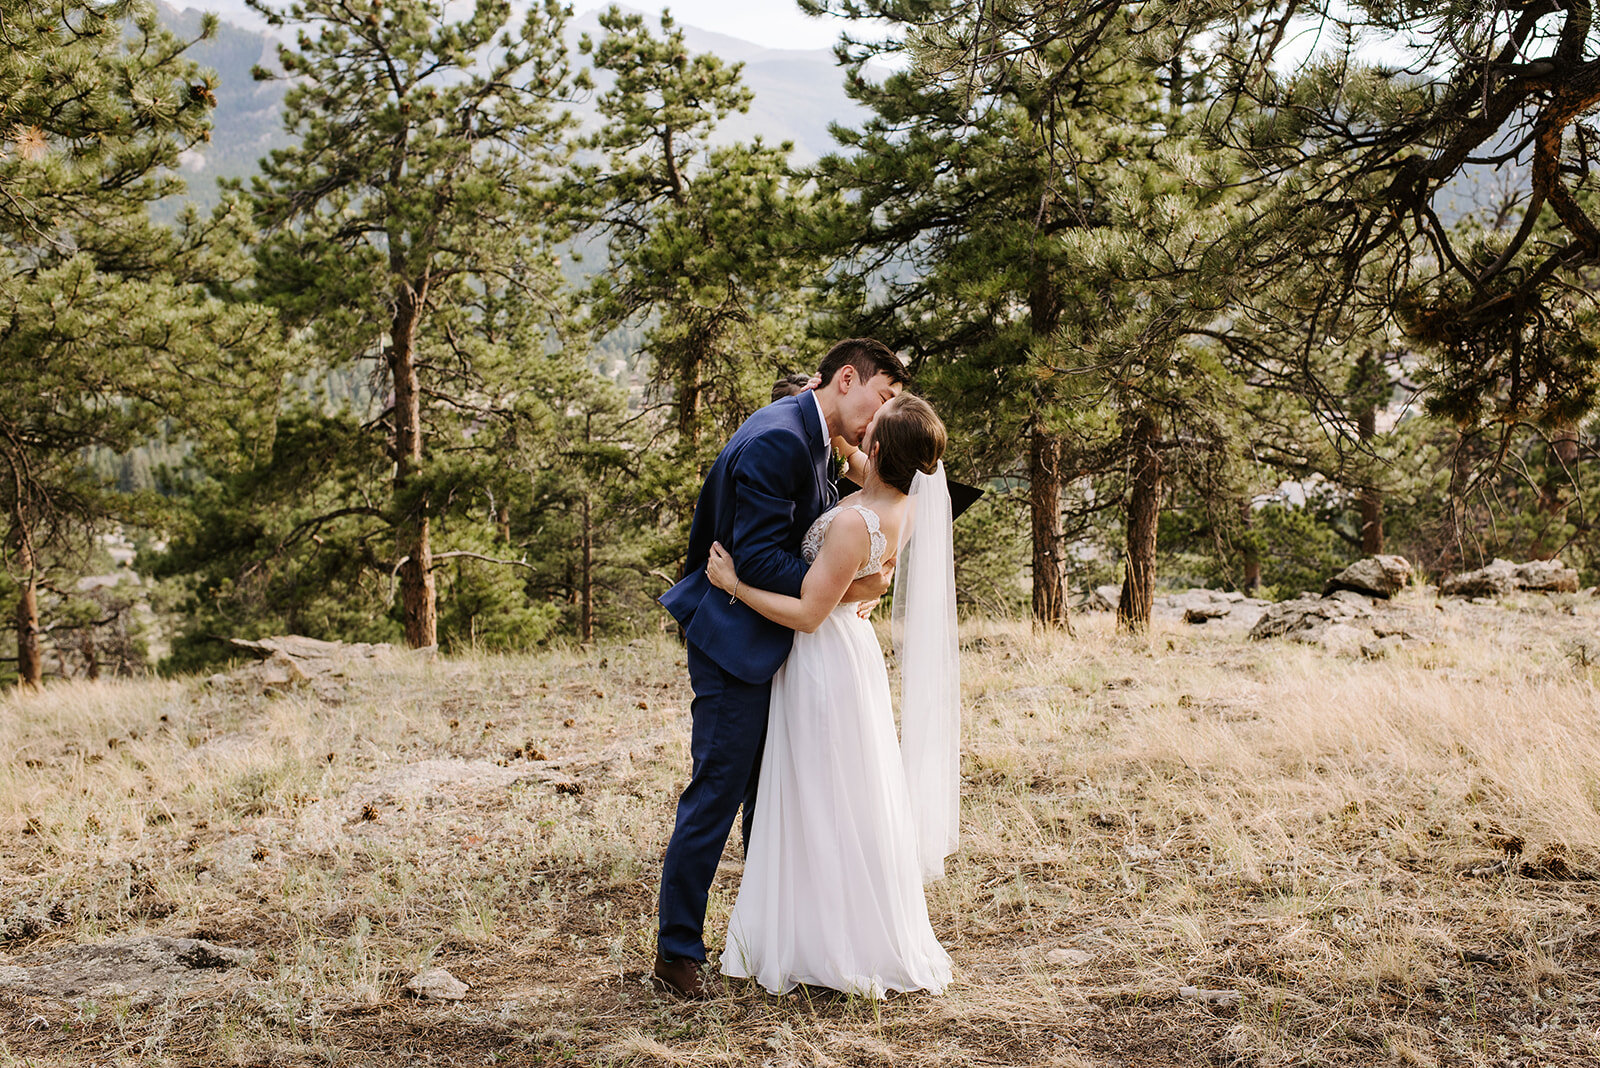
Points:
[(798, 92)]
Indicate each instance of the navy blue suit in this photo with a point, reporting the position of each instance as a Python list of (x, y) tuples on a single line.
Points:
[(768, 485)]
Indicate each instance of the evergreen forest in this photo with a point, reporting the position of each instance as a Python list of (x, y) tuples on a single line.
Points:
[(1220, 295)]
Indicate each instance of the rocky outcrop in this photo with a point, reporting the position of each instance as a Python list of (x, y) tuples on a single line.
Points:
[(1192, 606), (1308, 617), (1502, 577), (1376, 576), (290, 659), (1343, 621), (155, 966)]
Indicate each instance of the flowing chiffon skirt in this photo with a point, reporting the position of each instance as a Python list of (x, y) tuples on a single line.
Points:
[(832, 890)]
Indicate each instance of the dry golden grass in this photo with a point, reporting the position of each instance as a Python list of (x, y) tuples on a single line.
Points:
[(1181, 809)]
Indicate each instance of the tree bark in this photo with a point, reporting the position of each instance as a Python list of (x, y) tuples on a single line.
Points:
[(1252, 552), (1369, 501), (690, 389), (1044, 464), (1563, 453), (30, 665), (1370, 384), (90, 653), (586, 578), (1144, 513), (1560, 456), (1044, 500), (418, 597)]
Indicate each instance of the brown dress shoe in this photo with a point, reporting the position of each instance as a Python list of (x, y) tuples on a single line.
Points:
[(685, 977)]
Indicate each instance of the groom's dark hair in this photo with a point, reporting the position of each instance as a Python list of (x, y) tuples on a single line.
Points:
[(870, 358)]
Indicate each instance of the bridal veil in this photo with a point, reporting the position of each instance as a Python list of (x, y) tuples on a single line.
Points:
[(923, 622)]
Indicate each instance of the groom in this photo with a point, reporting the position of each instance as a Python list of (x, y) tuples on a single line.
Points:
[(767, 486)]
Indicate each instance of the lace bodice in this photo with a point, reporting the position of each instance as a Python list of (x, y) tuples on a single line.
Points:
[(812, 543)]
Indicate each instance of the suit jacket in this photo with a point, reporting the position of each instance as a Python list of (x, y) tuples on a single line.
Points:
[(767, 487)]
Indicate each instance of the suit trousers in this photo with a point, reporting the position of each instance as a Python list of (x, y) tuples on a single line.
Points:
[(725, 742)]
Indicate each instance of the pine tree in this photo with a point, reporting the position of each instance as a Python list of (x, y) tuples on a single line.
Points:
[(983, 207), (414, 195), (110, 326), (1346, 165), (700, 239)]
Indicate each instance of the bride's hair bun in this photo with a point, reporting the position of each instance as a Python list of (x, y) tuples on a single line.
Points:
[(909, 437)]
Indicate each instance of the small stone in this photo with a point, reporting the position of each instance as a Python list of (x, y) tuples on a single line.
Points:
[(1069, 956), (1223, 999), (438, 984), (1200, 615)]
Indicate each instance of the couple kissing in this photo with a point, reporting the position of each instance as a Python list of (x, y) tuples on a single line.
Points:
[(792, 714)]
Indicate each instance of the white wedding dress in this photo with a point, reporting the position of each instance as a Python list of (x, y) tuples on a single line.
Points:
[(832, 890)]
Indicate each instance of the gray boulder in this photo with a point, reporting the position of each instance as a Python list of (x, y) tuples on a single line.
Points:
[(1104, 599), (1547, 576), (1378, 576), (1192, 605), (1502, 577), (1496, 580), (1309, 617)]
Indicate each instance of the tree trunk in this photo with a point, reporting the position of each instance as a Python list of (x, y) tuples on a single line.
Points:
[(1369, 502), (30, 666), (1044, 464), (90, 654), (1044, 499), (1563, 453), (419, 601), (1370, 386), (1144, 513), (586, 579), (690, 390), (1252, 551), (1560, 456)]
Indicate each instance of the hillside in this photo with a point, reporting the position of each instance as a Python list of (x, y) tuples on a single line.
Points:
[(1186, 849), (247, 122), (797, 93)]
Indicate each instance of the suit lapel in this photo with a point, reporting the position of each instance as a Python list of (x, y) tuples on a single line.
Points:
[(811, 418)]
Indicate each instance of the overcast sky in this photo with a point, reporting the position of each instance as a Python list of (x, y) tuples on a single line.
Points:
[(774, 23)]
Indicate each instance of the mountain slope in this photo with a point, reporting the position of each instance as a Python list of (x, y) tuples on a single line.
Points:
[(798, 93)]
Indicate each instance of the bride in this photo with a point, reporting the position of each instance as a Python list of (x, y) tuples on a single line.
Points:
[(848, 823)]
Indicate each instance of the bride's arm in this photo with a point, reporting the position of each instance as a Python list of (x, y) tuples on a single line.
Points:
[(844, 549), (853, 463)]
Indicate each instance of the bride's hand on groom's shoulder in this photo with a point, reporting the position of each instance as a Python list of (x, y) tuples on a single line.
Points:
[(869, 589), (719, 568)]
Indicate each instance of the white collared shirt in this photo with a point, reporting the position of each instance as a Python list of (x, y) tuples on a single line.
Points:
[(822, 421)]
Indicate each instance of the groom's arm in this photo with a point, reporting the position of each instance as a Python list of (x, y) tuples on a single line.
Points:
[(767, 480)]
